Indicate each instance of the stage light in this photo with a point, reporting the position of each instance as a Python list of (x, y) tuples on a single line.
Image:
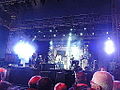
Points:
[(109, 46), (54, 35), (81, 34), (85, 28), (87, 45), (69, 44), (43, 35), (24, 50), (50, 30), (39, 31), (93, 33), (64, 35), (71, 29), (107, 33)]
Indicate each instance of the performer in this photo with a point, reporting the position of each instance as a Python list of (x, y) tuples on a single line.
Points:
[(72, 60), (84, 63), (39, 59), (32, 60)]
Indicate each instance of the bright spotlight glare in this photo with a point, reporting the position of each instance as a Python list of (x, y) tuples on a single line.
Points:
[(109, 47), (24, 50)]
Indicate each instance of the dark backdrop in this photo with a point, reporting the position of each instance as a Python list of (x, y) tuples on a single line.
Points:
[(4, 32)]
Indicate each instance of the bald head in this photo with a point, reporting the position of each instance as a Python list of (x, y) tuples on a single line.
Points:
[(103, 79)]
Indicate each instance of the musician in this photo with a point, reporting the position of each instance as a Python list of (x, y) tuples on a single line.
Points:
[(39, 59), (32, 60), (72, 60)]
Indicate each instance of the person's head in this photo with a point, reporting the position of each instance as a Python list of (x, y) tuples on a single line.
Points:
[(116, 85), (102, 79), (80, 77), (3, 72), (44, 84), (60, 86), (4, 85), (80, 86), (32, 83)]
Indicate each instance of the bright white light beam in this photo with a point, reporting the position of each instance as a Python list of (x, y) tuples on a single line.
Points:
[(109, 47), (24, 50)]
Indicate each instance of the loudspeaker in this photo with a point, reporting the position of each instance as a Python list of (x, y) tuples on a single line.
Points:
[(4, 32)]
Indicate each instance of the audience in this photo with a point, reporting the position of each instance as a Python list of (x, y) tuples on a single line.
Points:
[(60, 86), (116, 85), (4, 85), (80, 87), (3, 72), (45, 84), (80, 77), (102, 80), (80, 81)]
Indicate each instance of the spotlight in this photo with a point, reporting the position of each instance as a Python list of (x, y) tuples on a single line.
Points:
[(69, 44), (107, 33), (71, 29), (64, 35), (54, 35), (93, 33), (109, 47), (24, 50), (39, 31), (50, 30), (84, 28), (43, 35), (81, 34)]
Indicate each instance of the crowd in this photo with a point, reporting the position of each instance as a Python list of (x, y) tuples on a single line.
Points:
[(100, 80)]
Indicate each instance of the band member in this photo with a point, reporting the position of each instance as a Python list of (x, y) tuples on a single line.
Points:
[(39, 59), (84, 63), (72, 60), (32, 60)]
